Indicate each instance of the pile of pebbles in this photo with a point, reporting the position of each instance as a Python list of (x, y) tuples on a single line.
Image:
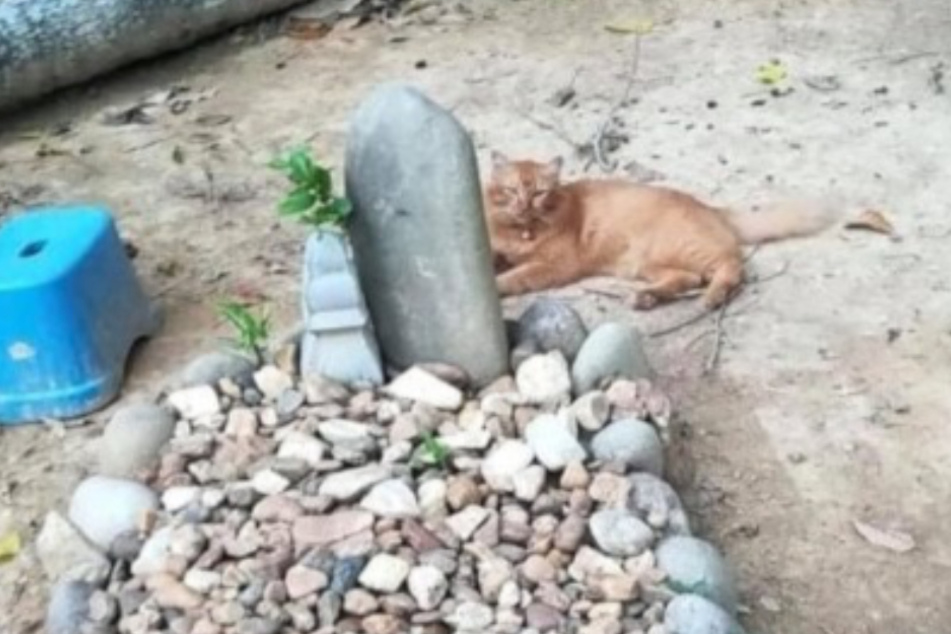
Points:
[(264, 503)]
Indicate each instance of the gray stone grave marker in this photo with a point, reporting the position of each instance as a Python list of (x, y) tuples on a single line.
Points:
[(419, 235)]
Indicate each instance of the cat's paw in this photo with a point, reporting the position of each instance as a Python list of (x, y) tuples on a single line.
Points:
[(645, 301)]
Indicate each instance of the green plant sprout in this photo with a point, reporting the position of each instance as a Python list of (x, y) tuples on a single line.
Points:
[(310, 199), (251, 330), (433, 451)]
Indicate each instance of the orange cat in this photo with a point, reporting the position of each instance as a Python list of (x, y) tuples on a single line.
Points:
[(550, 234)]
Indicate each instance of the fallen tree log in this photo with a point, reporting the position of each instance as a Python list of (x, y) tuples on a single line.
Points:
[(50, 44)]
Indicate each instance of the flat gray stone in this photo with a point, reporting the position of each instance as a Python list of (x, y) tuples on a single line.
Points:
[(419, 235), (658, 504), (554, 442), (102, 508), (620, 533), (693, 614), (612, 350), (632, 442), (133, 438), (68, 607), (694, 566), (66, 555), (211, 367)]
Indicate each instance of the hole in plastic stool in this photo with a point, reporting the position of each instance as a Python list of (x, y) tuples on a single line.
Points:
[(32, 249)]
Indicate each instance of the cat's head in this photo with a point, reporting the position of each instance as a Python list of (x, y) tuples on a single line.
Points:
[(523, 190)]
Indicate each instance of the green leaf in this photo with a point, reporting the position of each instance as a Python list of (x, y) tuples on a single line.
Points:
[(342, 207), (297, 202), (322, 182), (301, 168)]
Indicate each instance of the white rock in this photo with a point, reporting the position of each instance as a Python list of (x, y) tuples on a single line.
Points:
[(591, 410), (588, 562), (385, 573), (428, 585), (176, 498), (269, 482), (467, 521), (242, 423), (417, 384), (302, 447), (349, 484), (102, 508), (272, 382), (347, 435), (432, 498), (397, 452), (203, 581), (528, 483), (505, 461), (195, 402), (470, 439), (544, 378), (392, 499), (554, 442), (510, 595), (620, 533), (66, 555), (153, 558), (471, 617)]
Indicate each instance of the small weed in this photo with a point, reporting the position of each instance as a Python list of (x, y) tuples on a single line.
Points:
[(251, 330), (433, 451), (310, 200)]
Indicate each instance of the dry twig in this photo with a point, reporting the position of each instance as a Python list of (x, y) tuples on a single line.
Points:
[(717, 340), (597, 143)]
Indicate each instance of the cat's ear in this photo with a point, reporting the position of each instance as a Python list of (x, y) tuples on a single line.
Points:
[(553, 167), (499, 160)]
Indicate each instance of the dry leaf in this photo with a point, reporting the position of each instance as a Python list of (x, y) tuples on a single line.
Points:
[(872, 220), (894, 540), (640, 27), (9, 546)]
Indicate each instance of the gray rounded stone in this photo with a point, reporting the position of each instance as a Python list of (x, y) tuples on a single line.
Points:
[(611, 351), (694, 566), (133, 439), (551, 325), (211, 367), (693, 614), (419, 235), (102, 508), (68, 607), (620, 533), (632, 442), (658, 504)]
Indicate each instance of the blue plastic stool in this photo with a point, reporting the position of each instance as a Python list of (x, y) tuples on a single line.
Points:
[(70, 310)]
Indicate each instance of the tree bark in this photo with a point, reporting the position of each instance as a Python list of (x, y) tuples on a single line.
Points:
[(50, 44)]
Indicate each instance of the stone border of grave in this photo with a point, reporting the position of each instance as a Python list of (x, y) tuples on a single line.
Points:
[(254, 501)]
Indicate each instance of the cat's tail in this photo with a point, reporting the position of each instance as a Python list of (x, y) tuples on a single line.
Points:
[(780, 222)]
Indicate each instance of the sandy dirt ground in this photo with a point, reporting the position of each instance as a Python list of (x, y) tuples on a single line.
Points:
[(829, 402)]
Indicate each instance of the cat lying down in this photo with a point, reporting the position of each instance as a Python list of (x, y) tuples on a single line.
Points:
[(550, 234)]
